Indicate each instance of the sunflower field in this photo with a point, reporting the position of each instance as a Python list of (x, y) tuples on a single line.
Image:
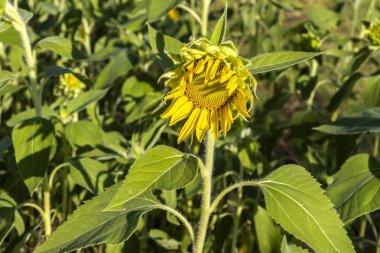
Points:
[(190, 126)]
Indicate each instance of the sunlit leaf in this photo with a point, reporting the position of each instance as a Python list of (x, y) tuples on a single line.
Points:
[(161, 167), (32, 141), (158, 8), (84, 99), (291, 248), (60, 46), (268, 234), (356, 187), (278, 60), (296, 201), (219, 32)]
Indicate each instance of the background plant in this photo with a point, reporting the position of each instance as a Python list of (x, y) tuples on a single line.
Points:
[(94, 137)]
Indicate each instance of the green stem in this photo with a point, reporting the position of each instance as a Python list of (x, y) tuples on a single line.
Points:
[(206, 194), (375, 145), (30, 56), (239, 210), (47, 206), (37, 208), (205, 9)]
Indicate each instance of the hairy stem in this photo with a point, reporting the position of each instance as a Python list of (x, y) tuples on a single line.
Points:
[(206, 194), (47, 206), (205, 9)]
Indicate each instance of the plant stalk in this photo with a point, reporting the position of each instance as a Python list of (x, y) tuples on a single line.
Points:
[(205, 9), (206, 194), (47, 210)]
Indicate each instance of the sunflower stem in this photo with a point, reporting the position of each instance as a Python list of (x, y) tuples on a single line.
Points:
[(206, 194), (205, 9)]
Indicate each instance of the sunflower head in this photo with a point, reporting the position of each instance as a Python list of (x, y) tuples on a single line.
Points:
[(208, 87), (70, 85)]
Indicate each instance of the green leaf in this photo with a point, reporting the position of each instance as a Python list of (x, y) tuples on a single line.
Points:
[(60, 46), (46, 112), (159, 8), (8, 211), (134, 88), (279, 60), (84, 99), (356, 187), (117, 67), (159, 43), (361, 122), (219, 32), (32, 141), (344, 91), (6, 76), (83, 133), (161, 167), (296, 201), (291, 248), (268, 234), (89, 174), (371, 96), (323, 18), (90, 224)]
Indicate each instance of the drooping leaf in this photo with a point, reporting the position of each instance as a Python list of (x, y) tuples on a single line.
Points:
[(344, 91), (32, 141), (60, 46), (159, 42), (296, 201), (90, 224), (46, 112), (84, 99), (89, 174), (158, 8), (361, 122), (279, 60), (161, 167), (291, 248), (268, 234), (118, 66), (356, 187), (219, 32)]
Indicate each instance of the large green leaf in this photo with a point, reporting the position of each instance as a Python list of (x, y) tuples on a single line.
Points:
[(32, 141), (84, 99), (89, 174), (118, 66), (46, 112), (361, 122), (278, 60), (296, 201), (158, 8), (90, 225), (61, 46), (356, 187), (161, 167), (219, 32), (268, 234), (84, 133)]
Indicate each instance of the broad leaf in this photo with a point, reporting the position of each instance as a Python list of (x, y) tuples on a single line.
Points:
[(291, 248), (158, 8), (159, 168), (356, 187), (219, 32), (90, 225), (89, 174), (323, 18), (278, 60), (371, 96), (84, 133), (296, 201), (32, 141), (84, 99), (361, 122), (60, 46), (117, 67), (268, 234), (159, 43)]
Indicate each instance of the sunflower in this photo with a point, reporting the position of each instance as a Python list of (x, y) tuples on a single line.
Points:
[(71, 85), (208, 87)]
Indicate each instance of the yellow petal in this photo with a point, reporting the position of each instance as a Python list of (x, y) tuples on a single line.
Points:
[(214, 123), (176, 92), (203, 124), (240, 103), (200, 66), (214, 69), (176, 104), (181, 113), (223, 120), (210, 63), (190, 125), (226, 76)]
